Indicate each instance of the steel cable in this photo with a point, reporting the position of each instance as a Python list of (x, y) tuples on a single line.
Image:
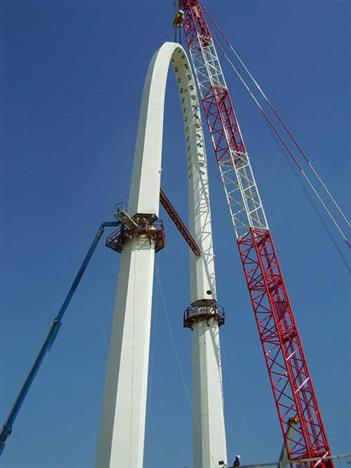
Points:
[(282, 141), (280, 119), (176, 354)]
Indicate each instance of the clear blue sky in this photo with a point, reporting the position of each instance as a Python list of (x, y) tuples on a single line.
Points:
[(71, 82)]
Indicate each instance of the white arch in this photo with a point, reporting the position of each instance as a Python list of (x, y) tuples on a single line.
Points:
[(121, 437)]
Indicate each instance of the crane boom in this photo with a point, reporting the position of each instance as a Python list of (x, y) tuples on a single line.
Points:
[(49, 340), (289, 375)]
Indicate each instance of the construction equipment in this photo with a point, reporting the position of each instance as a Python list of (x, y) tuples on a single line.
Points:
[(167, 205), (50, 338), (281, 344), (125, 222)]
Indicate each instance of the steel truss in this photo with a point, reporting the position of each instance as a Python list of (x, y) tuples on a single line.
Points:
[(286, 363), (289, 375)]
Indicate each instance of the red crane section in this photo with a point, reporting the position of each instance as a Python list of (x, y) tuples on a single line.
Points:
[(167, 205), (299, 416)]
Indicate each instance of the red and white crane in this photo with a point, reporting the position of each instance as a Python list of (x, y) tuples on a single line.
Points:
[(299, 415), (139, 236)]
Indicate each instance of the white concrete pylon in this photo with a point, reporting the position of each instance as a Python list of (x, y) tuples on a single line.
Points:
[(122, 427)]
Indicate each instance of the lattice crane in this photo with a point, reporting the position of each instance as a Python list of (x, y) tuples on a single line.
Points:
[(289, 375)]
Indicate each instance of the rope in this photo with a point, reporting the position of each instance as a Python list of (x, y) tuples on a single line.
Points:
[(176, 354), (171, 335), (282, 122), (234, 395), (322, 220)]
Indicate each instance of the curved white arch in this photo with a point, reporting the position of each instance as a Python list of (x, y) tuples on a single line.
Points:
[(121, 437), (146, 175)]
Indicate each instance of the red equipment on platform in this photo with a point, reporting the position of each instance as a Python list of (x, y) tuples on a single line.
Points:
[(286, 363)]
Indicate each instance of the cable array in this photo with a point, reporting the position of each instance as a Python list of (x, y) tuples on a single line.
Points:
[(298, 158)]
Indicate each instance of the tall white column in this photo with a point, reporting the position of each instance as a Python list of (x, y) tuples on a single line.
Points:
[(209, 429), (121, 439), (208, 411)]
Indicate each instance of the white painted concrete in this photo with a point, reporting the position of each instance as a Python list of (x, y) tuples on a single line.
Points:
[(209, 430), (121, 438), (122, 431)]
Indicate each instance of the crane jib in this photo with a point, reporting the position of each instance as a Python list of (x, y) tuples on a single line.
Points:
[(288, 372)]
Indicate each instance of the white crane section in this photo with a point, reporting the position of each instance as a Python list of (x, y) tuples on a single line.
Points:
[(240, 186), (122, 429)]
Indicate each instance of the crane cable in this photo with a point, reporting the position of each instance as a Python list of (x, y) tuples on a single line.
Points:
[(296, 163), (278, 116), (176, 353), (308, 180)]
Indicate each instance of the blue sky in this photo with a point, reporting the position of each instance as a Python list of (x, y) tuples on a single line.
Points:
[(71, 82)]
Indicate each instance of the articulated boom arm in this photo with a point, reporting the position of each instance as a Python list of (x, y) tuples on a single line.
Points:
[(50, 338), (286, 363)]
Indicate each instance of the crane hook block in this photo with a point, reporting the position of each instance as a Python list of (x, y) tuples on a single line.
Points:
[(178, 19)]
